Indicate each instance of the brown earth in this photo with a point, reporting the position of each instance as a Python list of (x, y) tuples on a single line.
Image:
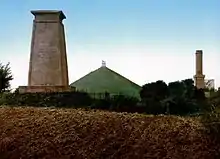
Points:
[(71, 133)]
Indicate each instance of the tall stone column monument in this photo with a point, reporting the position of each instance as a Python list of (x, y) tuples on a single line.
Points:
[(48, 60), (199, 77)]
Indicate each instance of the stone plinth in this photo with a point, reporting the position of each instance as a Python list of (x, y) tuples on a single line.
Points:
[(48, 59), (200, 81), (34, 89)]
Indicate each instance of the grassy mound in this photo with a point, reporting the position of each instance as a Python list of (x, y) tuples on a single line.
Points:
[(72, 133)]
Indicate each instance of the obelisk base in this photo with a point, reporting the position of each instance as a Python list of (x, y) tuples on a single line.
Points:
[(44, 89)]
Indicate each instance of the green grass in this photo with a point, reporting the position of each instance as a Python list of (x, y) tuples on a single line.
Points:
[(105, 79)]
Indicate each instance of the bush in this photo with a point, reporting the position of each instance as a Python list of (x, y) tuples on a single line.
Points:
[(56, 99), (76, 99), (122, 103), (118, 103), (211, 122), (176, 98)]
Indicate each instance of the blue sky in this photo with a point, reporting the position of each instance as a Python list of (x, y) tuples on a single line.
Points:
[(144, 40)]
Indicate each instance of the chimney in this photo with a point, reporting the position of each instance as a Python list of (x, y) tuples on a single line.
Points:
[(199, 77)]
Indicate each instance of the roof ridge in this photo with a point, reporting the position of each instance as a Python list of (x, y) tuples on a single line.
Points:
[(85, 76), (110, 71), (122, 77), (106, 79)]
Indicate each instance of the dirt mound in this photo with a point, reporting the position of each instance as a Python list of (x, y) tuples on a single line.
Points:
[(72, 133)]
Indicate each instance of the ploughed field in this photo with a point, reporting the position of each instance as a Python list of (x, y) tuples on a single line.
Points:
[(75, 133)]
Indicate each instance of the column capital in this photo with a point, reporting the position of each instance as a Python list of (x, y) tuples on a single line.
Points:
[(50, 15), (199, 51)]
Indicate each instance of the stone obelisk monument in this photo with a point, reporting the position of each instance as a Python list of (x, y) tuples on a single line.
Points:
[(48, 60), (199, 77)]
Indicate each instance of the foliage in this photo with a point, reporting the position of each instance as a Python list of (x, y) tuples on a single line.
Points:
[(75, 133), (5, 77), (118, 103), (122, 103), (214, 100), (179, 97), (55, 99), (152, 94), (74, 99), (156, 90), (211, 121)]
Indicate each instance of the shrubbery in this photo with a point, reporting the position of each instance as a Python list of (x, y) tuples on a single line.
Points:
[(211, 119), (211, 122), (55, 99), (72, 99), (176, 98), (118, 103)]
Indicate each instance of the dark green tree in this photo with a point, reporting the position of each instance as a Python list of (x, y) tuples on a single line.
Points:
[(5, 77), (186, 98), (152, 95), (179, 98), (157, 90)]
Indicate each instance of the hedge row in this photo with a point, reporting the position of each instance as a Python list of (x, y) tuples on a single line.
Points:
[(76, 99), (52, 99), (71, 99)]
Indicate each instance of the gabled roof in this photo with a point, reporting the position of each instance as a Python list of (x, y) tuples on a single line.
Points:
[(106, 80)]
